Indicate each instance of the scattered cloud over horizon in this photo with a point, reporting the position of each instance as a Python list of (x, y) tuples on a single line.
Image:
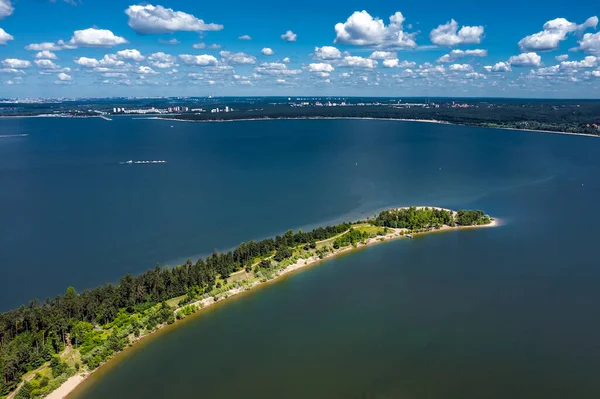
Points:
[(448, 34), (525, 59), (361, 29), (150, 19), (363, 51), (554, 32), (6, 8), (5, 37), (289, 36)]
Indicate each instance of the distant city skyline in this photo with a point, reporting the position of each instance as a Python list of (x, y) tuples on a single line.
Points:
[(181, 48)]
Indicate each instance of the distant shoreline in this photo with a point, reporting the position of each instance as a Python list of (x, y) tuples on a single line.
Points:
[(69, 386), (136, 116), (365, 118)]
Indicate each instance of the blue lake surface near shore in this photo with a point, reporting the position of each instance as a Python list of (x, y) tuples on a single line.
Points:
[(504, 312)]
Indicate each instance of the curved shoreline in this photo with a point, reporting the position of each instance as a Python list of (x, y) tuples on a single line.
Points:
[(71, 386), (367, 118)]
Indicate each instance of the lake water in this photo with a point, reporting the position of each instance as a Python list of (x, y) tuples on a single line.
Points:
[(507, 312)]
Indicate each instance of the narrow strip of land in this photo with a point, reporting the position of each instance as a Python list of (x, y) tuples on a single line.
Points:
[(86, 330)]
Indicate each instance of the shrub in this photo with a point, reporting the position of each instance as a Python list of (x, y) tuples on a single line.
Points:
[(282, 253)]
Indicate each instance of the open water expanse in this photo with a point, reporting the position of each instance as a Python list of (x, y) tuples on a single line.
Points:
[(506, 312)]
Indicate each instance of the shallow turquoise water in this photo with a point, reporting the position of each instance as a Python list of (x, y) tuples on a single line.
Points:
[(490, 313)]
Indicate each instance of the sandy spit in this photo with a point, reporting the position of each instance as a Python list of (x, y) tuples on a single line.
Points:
[(69, 386)]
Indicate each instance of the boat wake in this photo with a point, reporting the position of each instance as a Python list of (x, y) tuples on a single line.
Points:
[(131, 162), (7, 136)]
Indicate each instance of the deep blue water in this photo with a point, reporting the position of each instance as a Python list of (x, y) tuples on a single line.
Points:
[(72, 215), (508, 312)]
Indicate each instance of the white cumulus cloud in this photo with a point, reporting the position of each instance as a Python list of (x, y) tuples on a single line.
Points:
[(475, 75), (15, 63), (353, 61), (131, 54), (237, 58), (93, 37), (498, 67), (245, 37), (588, 62), (395, 63), (46, 46), (275, 69), (45, 54), (5, 37), (46, 64), (162, 60), (391, 63), (267, 51), (108, 61), (448, 34), (458, 54), (553, 33), (525, 59), (203, 45), (361, 29), (87, 62), (12, 70), (383, 55), (327, 53), (461, 68), (199, 60), (64, 77), (289, 36), (6, 8), (149, 19), (562, 57), (160, 56), (590, 43), (320, 67), (145, 70)]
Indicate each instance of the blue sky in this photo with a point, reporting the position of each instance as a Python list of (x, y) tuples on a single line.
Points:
[(375, 48)]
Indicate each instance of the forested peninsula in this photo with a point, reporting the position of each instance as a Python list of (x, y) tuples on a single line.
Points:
[(44, 344)]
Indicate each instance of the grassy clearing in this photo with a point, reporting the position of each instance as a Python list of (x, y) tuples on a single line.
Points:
[(240, 275), (369, 229), (174, 301)]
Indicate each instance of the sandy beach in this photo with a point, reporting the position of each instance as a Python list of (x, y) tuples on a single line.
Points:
[(72, 383), (67, 387)]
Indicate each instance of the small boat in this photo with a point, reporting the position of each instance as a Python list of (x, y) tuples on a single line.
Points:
[(132, 162), (409, 235)]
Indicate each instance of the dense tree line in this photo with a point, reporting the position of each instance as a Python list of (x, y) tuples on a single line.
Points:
[(352, 237), (33, 334), (414, 219), (561, 116), (471, 218)]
